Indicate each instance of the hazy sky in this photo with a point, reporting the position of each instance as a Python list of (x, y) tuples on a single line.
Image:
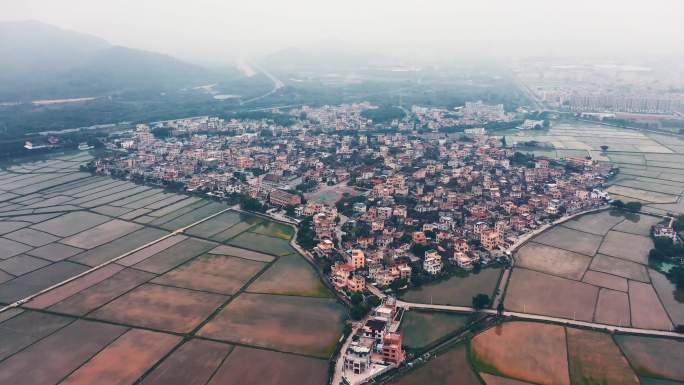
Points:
[(214, 30)]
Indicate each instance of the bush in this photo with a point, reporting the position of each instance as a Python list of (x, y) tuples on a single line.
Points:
[(481, 301), (356, 299), (634, 207), (358, 312)]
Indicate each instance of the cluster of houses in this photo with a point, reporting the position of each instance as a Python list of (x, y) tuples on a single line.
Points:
[(421, 202), (462, 209), (376, 346)]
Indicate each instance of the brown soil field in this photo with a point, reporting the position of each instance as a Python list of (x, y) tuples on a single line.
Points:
[(538, 293), (279, 322), (26, 328), (671, 297), (149, 251), (34, 218), (71, 223), (449, 368), (598, 223), (290, 275), (76, 343), (38, 280), (55, 252), (455, 290), (10, 313), (131, 355), (4, 277), (496, 380), (612, 308), (65, 291), (8, 226), (118, 247), (100, 234), (245, 366), (161, 307), (191, 364), (242, 253), (10, 248), (619, 267), (627, 246), (31, 237), (111, 211), (551, 260), (569, 239), (22, 264), (654, 381), (97, 295), (654, 357), (214, 273), (543, 359), (131, 215), (595, 359), (605, 280), (175, 255), (646, 310), (640, 227)]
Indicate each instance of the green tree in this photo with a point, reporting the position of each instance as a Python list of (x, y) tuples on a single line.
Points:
[(676, 275), (161, 132), (373, 301), (356, 298), (398, 284), (290, 210), (500, 308), (358, 312), (481, 301), (678, 223), (634, 207)]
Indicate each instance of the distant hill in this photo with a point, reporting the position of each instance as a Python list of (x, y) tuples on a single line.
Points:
[(328, 55), (41, 61)]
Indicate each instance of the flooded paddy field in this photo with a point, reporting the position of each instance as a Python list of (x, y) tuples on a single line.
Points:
[(422, 328), (595, 268), (456, 290), (142, 311), (519, 353)]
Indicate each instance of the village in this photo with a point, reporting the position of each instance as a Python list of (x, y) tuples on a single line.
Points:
[(380, 206)]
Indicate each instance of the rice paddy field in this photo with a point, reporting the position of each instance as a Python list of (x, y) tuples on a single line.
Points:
[(520, 353), (422, 328), (595, 268), (456, 290), (651, 164), (527, 352), (225, 301)]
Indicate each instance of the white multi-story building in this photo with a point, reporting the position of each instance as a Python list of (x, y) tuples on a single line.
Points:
[(432, 263)]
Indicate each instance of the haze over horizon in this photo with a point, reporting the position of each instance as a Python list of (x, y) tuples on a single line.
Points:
[(211, 31)]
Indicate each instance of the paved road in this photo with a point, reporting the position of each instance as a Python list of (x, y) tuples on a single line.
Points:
[(277, 84), (531, 317)]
